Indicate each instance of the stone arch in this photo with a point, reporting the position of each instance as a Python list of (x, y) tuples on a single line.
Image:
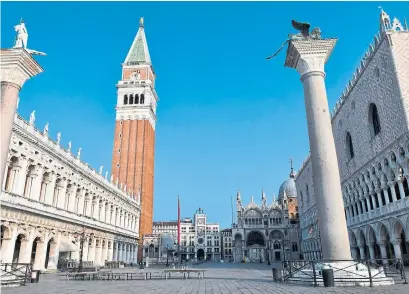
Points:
[(276, 235), (19, 247), (11, 173), (397, 229), (352, 238), (382, 232), (370, 234), (31, 173), (255, 238)]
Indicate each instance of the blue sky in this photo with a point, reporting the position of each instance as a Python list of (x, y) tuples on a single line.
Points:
[(227, 118)]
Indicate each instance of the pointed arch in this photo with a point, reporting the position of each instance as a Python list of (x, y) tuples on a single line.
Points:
[(142, 99), (349, 146), (374, 121), (136, 99), (131, 99), (125, 99)]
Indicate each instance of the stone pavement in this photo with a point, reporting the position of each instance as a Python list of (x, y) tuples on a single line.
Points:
[(219, 278)]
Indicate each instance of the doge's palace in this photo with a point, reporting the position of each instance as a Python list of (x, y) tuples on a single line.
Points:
[(54, 207)]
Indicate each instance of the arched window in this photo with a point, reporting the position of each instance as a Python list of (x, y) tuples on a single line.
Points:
[(131, 99), (136, 99), (307, 192), (301, 199), (142, 99), (350, 147), (374, 122), (125, 99)]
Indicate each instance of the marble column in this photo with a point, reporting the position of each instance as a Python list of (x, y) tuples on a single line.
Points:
[(386, 196), (41, 252), (373, 201), (362, 252), (7, 249), (85, 249), (115, 251), (308, 57), (54, 253), (384, 254), (111, 251), (98, 253), (371, 252), (91, 251), (17, 66), (401, 190), (397, 249), (392, 186), (120, 247), (25, 250), (136, 253), (378, 193), (104, 253), (354, 252)]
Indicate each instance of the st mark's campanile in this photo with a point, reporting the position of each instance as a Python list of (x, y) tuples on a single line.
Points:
[(134, 141)]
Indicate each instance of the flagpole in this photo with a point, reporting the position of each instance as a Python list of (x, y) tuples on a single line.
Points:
[(232, 216), (179, 230)]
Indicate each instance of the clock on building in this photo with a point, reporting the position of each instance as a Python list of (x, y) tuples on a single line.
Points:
[(200, 241)]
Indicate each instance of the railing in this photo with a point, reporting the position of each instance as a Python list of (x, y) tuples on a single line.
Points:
[(346, 272), (15, 273)]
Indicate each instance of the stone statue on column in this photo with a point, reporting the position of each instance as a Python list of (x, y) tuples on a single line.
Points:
[(79, 153), (308, 53), (69, 146), (17, 66), (100, 169), (22, 38)]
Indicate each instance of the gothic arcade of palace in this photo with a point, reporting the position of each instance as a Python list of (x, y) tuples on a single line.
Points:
[(52, 201)]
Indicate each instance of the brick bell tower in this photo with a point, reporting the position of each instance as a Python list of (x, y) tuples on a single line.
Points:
[(134, 141)]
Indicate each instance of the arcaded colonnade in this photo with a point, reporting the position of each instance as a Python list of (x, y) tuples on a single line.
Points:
[(51, 199), (21, 244)]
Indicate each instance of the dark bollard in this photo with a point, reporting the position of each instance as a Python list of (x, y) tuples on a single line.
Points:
[(275, 275), (35, 276), (328, 277)]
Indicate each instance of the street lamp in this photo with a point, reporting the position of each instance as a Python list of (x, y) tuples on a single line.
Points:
[(81, 237)]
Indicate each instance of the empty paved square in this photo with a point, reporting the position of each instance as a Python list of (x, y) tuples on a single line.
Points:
[(219, 278)]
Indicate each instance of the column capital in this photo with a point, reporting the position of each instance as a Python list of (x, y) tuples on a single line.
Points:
[(18, 66), (396, 241), (309, 55)]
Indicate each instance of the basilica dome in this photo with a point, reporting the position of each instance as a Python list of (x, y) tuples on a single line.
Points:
[(288, 187)]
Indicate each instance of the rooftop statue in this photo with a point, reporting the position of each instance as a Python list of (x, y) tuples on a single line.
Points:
[(22, 38), (32, 117), (304, 34)]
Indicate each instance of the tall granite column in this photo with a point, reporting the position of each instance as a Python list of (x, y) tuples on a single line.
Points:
[(308, 56), (17, 66)]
